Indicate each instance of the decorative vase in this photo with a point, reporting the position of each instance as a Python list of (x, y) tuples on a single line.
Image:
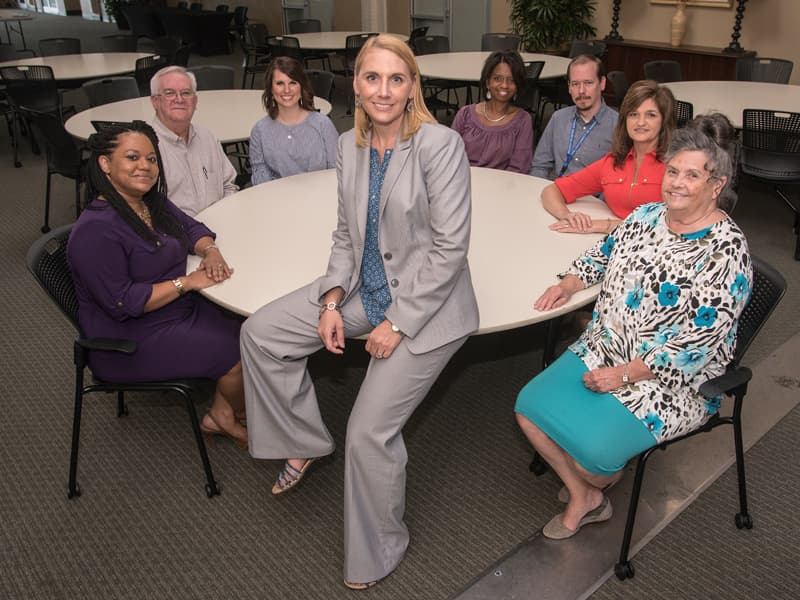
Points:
[(678, 28)]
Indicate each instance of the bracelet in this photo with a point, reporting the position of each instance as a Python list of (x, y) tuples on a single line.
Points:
[(608, 225), (205, 250), (179, 286)]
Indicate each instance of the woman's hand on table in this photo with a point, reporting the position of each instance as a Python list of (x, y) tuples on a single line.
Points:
[(595, 226), (575, 222), (382, 341), (558, 295), (214, 266)]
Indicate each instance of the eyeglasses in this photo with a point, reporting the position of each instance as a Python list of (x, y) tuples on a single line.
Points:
[(172, 94), (575, 85)]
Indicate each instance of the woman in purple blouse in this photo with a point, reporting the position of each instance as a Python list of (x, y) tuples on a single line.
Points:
[(496, 133), (127, 253)]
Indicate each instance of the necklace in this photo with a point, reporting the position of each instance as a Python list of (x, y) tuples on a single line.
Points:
[(497, 120), (689, 223), (144, 215)]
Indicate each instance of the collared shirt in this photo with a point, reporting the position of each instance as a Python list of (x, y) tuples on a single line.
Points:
[(198, 173), (551, 151), (620, 190)]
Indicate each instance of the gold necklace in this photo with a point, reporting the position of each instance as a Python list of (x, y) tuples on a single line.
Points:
[(497, 120), (144, 215)]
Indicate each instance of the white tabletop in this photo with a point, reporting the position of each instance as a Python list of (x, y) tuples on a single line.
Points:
[(466, 66), (732, 97), (330, 40), (277, 236), (85, 66), (230, 114), (14, 15)]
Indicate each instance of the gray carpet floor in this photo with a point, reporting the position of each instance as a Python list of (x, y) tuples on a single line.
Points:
[(143, 527)]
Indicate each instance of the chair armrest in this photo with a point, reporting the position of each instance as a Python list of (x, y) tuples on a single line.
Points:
[(726, 382), (110, 344)]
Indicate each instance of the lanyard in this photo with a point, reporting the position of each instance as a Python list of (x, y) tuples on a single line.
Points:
[(572, 151)]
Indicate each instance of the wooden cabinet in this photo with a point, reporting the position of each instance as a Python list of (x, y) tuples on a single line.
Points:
[(698, 63)]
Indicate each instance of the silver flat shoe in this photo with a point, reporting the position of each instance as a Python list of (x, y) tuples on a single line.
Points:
[(556, 530)]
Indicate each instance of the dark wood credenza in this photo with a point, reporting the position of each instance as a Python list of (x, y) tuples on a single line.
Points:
[(698, 63)]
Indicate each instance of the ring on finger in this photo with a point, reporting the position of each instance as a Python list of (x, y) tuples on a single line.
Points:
[(379, 356)]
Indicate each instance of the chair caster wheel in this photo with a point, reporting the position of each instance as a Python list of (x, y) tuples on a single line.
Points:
[(744, 521), (213, 490), (624, 570), (45, 228), (74, 492), (538, 466)]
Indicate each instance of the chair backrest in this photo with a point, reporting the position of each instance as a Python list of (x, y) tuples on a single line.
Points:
[(240, 16), (594, 47), (417, 32), (165, 45), (214, 77), (663, 71), (181, 56), (222, 8), (499, 41), (118, 42), (769, 70), (146, 67), (284, 45), (322, 82), (305, 26), (529, 98), (47, 262), (767, 290), (32, 86), (620, 84), (432, 44), (771, 145), (10, 52), (256, 35), (110, 89), (63, 153), (684, 112), (352, 46), (59, 46)]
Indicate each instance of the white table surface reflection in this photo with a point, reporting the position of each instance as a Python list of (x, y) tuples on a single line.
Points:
[(466, 66), (68, 67), (230, 114), (330, 40), (277, 236)]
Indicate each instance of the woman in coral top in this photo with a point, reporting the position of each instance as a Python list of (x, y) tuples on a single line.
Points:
[(629, 175)]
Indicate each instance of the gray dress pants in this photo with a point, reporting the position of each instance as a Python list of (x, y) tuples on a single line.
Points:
[(284, 421)]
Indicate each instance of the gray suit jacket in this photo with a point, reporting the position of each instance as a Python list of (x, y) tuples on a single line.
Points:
[(424, 231)]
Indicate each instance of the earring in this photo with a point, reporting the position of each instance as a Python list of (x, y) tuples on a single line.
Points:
[(410, 105), (488, 95), (358, 101), (301, 101)]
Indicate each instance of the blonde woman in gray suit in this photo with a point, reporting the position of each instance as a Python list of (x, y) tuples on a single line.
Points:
[(397, 273)]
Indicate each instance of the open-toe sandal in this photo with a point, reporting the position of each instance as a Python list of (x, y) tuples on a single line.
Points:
[(290, 476), (355, 585)]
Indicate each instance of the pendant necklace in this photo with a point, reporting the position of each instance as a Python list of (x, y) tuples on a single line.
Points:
[(486, 115), (144, 215)]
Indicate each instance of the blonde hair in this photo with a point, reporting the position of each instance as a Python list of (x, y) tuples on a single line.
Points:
[(413, 118)]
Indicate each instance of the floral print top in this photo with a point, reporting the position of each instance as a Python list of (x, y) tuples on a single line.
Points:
[(672, 299)]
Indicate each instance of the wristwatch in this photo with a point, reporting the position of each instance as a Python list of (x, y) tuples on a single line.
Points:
[(329, 306), (179, 287), (395, 328), (625, 377)]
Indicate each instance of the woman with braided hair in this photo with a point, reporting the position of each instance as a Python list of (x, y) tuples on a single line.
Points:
[(127, 253)]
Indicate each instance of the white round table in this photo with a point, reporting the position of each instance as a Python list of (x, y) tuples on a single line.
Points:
[(277, 237), (732, 97), (330, 40), (81, 67), (466, 66), (230, 114)]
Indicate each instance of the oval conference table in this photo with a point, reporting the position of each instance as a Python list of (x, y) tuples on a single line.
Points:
[(732, 97), (277, 237), (467, 66), (230, 114), (70, 70), (330, 40)]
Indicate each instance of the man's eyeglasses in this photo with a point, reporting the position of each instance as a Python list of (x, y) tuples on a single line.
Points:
[(172, 94), (576, 85)]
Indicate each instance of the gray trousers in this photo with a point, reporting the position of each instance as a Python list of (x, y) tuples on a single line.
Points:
[(284, 421)]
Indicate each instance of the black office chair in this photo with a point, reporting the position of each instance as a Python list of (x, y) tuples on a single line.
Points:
[(768, 289), (619, 83), (110, 89), (499, 41), (64, 156), (238, 22), (431, 88), (305, 26), (352, 46), (417, 32), (145, 68), (284, 45), (684, 112), (255, 54), (214, 77), (222, 8), (10, 52), (594, 47), (529, 97), (322, 82), (181, 56), (663, 71), (59, 46), (47, 262), (771, 152), (119, 42), (769, 70)]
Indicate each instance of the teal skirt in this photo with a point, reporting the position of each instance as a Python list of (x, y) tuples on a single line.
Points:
[(595, 429)]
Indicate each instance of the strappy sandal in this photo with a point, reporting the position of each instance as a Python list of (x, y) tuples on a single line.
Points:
[(290, 476), (355, 585)]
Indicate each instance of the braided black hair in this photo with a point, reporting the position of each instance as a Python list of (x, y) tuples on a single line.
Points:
[(98, 183)]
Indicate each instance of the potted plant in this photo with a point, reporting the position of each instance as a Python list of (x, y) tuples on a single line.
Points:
[(113, 10), (551, 24)]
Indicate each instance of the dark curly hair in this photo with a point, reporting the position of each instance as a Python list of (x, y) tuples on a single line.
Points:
[(98, 183), (293, 70)]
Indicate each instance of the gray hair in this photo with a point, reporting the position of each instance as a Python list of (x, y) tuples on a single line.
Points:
[(155, 80), (714, 136)]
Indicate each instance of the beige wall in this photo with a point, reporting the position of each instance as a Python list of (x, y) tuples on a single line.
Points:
[(769, 26)]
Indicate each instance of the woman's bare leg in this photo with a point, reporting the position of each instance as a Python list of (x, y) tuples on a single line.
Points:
[(229, 401)]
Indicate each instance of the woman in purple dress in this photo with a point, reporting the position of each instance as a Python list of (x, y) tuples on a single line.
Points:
[(498, 134), (127, 253)]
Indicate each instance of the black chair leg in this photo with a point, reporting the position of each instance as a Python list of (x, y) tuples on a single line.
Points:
[(212, 487), (538, 465), (122, 408), (550, 340), (624, 568), (46, 226), (73, 489), (743, 519)]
